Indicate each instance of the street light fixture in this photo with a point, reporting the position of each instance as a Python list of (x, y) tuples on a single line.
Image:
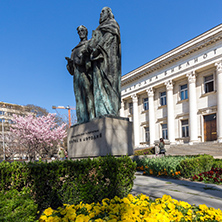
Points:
[(63, 107)]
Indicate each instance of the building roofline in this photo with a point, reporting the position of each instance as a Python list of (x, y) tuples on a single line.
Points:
[(178, 52)]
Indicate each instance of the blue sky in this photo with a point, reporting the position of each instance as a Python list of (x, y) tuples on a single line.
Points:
[(36, 35)]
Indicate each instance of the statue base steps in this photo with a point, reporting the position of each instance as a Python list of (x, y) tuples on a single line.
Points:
[(101, 136)]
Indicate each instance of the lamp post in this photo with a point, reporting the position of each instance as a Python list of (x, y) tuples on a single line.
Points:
[(65, 107)]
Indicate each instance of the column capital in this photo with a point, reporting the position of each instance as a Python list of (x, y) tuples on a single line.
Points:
[(169, 85), (219, 66), (150, 92), (191, 77), (134, 98)]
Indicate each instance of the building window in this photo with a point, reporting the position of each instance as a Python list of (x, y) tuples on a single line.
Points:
[(10, 121), (10, 114), (208, 83), (131, 108), (2, 113), (183, 92), (163, 99), (145, 104), (164, 131), (147, 134), (185, 128)]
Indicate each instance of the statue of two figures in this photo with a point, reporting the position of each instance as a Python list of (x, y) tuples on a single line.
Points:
[(96, 68)]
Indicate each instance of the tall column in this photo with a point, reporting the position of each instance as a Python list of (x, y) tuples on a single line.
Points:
[(135, 120), (122, 108), (151, 115), (192, 107), (219, 101), (170, 111)]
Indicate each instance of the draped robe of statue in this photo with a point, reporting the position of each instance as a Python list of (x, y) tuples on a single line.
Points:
[(82, 81), (106, 68)]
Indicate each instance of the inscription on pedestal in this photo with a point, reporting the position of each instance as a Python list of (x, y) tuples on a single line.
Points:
[(99, 137), (84, 137)]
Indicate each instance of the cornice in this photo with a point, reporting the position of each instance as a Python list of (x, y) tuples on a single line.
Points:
[(207, 110), (208, 38)]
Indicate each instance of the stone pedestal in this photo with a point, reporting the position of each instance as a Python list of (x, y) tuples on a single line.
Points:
[(101, 136)]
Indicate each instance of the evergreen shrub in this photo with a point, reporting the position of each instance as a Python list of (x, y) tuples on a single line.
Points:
[(196, 165), (161, 166), (17, 206), (70, 182), (217, 163)]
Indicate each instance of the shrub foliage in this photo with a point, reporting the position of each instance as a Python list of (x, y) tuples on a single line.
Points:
[(70, 182), (176, 166), (17, 206), (147, 151), (196, 165)]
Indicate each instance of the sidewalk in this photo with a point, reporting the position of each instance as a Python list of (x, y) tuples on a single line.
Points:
[(192, 192)]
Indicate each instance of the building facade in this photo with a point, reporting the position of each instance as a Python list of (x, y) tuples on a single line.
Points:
[(177, 96), (6, 113), (6, 119)]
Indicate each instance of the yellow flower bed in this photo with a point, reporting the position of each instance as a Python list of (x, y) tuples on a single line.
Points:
[(131, 209)]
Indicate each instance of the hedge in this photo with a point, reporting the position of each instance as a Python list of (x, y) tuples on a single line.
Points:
[(70, 182), (17, 206), (196, 165)]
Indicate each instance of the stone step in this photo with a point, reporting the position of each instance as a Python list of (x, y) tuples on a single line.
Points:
[(212, 148)]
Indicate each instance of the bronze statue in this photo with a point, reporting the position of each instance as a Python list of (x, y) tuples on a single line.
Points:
[(96, 68), (105, 56), (79, 66)]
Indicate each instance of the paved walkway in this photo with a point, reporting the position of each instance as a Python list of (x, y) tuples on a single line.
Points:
[(192, 192)]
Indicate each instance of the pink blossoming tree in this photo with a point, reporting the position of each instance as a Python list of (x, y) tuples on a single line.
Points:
[(11, 147), (37, 135)]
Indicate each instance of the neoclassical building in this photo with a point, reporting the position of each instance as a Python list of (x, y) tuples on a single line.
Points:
[(177, 96)]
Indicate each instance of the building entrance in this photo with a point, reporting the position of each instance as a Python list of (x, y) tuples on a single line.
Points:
[(210, 127)]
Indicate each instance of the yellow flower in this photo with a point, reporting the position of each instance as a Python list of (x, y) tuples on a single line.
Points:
[(99, 220), (130, 197), (43, 218), (91, 215), (189, 212), (171, 206), (126, 200), (82, 218), (54, 219), (97, 210), (48, 211), (63, 211), (203, 207), (130, 209), (143, 197)]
